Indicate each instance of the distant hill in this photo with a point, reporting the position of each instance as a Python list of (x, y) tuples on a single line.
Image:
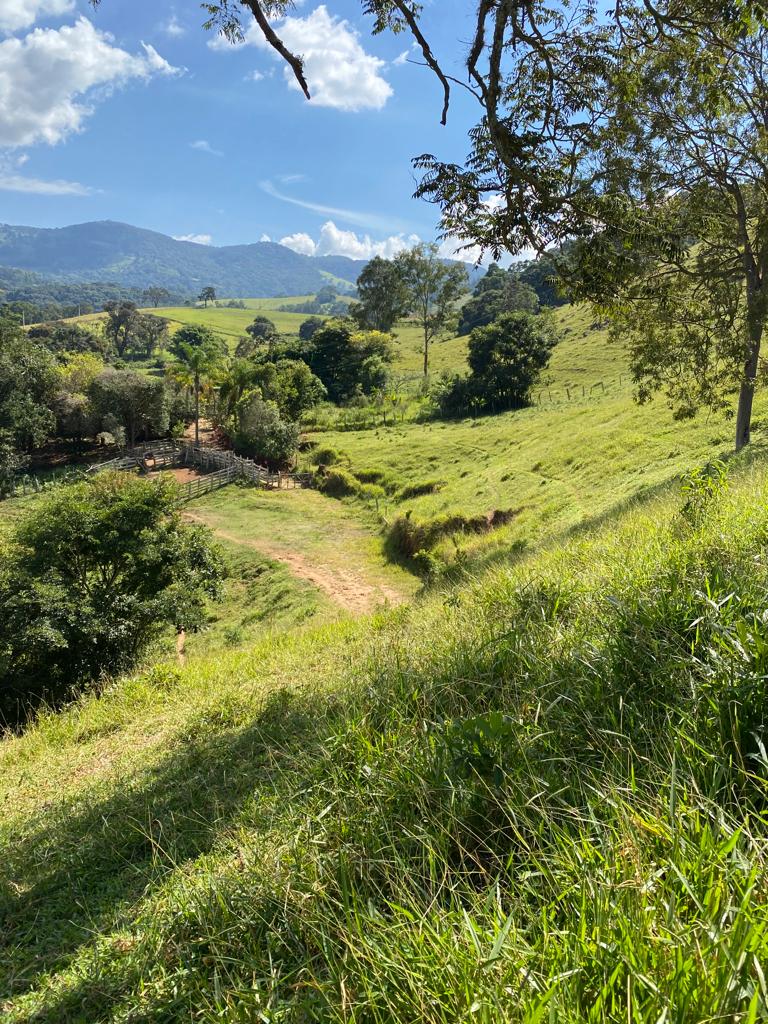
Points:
[(136, 258)]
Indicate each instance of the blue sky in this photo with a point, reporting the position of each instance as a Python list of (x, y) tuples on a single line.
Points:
[(133, 113)]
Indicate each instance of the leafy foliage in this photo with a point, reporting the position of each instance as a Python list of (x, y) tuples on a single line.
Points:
[(506, 359), (349, 361), (262, 433), (91, 577), (382, 295)]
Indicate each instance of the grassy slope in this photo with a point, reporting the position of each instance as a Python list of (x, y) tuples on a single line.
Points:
[(561, 463), (507, 803)]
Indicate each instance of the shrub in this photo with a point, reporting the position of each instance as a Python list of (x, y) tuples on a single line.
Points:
[(262, 434), (373, 493), (325, 456), (92, 576), (407, 536), (339, 483)]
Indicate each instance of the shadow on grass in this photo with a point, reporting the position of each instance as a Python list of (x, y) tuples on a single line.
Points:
[(79, 870)]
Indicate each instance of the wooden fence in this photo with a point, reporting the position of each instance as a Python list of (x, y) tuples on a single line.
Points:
[(219, 467)]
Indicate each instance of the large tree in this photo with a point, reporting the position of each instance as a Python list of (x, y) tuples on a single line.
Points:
[(157, 296), (121, 324), (262, 329), (432, 288), (382, 295), (340, 355)]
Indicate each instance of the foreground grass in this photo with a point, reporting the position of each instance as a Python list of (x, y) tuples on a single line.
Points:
[(539, 797)]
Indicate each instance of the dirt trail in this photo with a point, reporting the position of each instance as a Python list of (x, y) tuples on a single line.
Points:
[(347, 588)]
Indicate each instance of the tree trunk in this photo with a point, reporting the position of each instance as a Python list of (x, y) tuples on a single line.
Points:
[(426, 355), (747, 391), (197, 411)]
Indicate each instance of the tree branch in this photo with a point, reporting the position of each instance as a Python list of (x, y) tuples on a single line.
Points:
[(429, 57), (295, 63)]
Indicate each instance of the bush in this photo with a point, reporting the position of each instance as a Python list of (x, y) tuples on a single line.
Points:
[(325, 456), (505, 359), (96, 572), (407, 536), (339, 483), (262, 434)]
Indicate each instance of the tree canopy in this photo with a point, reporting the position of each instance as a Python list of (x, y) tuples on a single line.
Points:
[(91, 576)]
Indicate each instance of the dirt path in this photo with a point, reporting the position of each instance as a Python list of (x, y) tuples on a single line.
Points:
[(344, 586)]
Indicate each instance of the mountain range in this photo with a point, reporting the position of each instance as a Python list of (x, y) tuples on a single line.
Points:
[(133, 257)]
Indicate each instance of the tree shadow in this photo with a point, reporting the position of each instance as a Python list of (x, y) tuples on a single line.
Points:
[(80, 868)]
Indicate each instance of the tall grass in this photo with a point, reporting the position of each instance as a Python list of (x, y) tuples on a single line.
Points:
[(540, 797)]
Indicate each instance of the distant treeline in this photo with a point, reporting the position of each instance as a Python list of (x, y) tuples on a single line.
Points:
[(36, 299)]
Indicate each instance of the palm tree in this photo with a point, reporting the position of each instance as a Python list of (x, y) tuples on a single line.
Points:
[(194, 366), (238, 379)]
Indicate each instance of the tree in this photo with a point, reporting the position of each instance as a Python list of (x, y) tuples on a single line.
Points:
[(309, 326), (383, 296), (199, 355), (150, 333), (432, 288), (239, 377), (207, 295), (67, 337), (92, 576), (134, 401), (498, 292), (339, 353), (28, 384), (157, 296), (681, 264), (120, 324), (507, 357), (291, 385), (263, 434), (193, 335), (262, 329)]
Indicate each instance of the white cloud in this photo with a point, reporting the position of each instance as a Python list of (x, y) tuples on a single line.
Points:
[(265, 238), (300, 242), (402, 58), (335, 242), (35, 186), (173, 27), (339, 71), (44, 75), (254, 76), (19, 14), (197, 239), (205, 147)]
